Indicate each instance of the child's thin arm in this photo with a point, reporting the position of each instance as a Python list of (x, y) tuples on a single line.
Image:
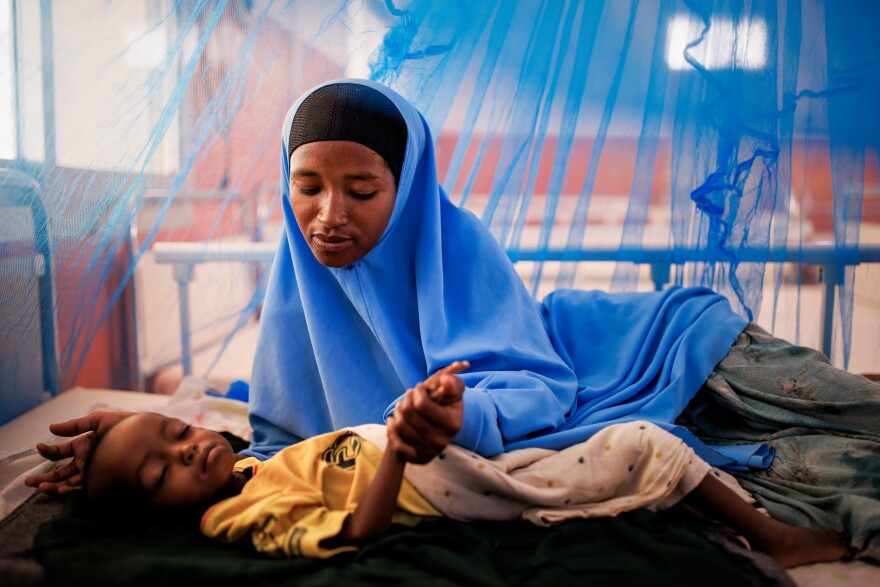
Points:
[(372, 517)]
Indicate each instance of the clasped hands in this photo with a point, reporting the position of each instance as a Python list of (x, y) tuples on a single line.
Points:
[(422, 425), (428, 417)]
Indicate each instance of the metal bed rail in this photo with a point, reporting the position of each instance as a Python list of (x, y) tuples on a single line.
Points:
[(184, 257)]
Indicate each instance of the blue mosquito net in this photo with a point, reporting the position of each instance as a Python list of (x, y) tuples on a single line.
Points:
[(622, 145)]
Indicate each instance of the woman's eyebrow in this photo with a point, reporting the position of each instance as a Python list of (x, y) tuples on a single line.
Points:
[(364, 176), (360, 175)]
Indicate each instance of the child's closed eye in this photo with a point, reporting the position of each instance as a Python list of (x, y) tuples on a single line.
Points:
[(158, 484)]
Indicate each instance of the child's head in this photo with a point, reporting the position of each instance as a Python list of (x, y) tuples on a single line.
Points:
[(161, 462)]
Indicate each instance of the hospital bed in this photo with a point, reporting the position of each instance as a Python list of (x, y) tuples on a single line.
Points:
[(191, 273), (185, 258), (660, 549), (639, 547)]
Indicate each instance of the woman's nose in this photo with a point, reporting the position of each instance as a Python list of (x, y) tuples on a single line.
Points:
[(333, 211)]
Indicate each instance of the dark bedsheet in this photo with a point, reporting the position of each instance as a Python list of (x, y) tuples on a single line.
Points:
[(638, 548), (823, 422)]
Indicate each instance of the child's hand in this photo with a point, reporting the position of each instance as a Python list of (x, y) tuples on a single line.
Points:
[(404, 452), (69, 477)]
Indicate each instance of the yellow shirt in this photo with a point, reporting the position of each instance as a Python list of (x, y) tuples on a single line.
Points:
[(302, 495)]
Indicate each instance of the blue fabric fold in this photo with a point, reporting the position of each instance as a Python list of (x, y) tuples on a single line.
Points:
[(747, 457), (338, 346)]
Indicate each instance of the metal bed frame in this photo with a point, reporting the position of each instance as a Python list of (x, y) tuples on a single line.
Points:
[(184, 257)]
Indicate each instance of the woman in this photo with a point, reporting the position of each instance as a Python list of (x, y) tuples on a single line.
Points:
[(380, 281)]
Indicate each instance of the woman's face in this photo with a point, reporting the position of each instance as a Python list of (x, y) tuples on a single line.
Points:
[(342, 194)]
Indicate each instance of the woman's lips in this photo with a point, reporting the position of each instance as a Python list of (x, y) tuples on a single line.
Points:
[(331, 244)]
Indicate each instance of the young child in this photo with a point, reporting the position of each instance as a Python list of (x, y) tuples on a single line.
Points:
[(330, 493)]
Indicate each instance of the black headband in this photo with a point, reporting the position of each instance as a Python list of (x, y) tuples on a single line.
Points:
[(351, 112)]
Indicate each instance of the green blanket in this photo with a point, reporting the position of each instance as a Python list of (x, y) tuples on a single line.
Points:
[(823, 422), (637, 548)]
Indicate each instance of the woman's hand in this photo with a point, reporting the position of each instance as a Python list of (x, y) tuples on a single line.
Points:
[(452, 392), (428, 417), (68, 477)]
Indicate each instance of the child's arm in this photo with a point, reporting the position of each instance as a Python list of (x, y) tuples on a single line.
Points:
[(372, 517)]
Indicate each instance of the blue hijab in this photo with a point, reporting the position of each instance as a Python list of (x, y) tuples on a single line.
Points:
[(338, 346)]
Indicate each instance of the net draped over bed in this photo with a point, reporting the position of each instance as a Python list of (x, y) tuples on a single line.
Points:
[(724, 127)]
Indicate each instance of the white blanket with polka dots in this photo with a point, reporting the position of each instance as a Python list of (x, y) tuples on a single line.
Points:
[(622, 468)]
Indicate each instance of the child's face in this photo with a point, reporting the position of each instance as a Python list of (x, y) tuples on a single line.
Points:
[(163, 459)]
